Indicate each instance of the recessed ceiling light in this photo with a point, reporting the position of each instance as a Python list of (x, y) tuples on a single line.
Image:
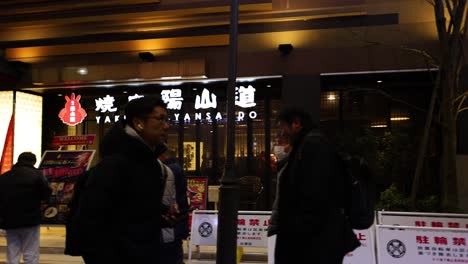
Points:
[(379, 81), (82, 71)]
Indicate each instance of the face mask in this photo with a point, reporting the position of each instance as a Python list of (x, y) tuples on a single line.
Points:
[(279, 152)]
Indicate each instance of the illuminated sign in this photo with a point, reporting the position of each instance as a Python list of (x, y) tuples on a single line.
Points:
[(204, 102), (72, 114), (173, 98), (245, 98), (106, 105)]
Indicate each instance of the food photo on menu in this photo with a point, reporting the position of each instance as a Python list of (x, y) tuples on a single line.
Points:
[(67, 193)]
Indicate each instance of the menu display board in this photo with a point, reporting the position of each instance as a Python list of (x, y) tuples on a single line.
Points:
[(61, 168)]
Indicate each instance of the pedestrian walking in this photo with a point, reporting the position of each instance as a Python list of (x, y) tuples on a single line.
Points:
[(21, 191), (118, 216), (175, 195), (308, 213)]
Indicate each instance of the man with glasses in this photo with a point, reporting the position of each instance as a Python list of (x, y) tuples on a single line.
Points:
[(119, 213)]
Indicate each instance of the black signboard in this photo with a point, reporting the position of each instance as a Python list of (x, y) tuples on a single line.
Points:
[(61, 168)]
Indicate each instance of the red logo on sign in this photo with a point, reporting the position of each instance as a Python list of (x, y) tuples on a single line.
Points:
[(72, 114)]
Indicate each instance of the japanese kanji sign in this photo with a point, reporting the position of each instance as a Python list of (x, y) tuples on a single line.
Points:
[(423, 219), (421, 245), (251, 228)]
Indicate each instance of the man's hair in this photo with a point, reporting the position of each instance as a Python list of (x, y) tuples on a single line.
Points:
[(291, 114), (27, 158), (140, 107)]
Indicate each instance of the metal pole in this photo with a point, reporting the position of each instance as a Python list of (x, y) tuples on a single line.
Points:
[(229, 189)]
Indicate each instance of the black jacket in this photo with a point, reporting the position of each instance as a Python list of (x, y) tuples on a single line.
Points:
[(21, 191), (118, 217), (312, 194)]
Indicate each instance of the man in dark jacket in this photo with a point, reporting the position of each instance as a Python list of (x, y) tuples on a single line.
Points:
[(308, 217), (21, 191), (119, 212)]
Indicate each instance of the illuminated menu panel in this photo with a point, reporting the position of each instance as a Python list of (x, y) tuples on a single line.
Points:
[(28, 122), (6, 108)]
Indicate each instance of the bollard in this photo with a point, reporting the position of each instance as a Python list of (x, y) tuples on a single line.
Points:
[(240, 252)]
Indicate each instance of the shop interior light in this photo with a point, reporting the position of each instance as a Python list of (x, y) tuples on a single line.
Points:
[(379, 81), (331, 97), (400, 118), (378, 126), (171, 78)]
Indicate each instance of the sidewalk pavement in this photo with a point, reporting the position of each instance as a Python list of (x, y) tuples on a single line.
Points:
[(53, 242)]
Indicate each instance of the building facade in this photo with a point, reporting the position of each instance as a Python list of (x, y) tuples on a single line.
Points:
[(291, 52)]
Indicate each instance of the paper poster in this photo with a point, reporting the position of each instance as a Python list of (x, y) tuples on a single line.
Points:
[(61, 168), (189, 163), (197, 189)]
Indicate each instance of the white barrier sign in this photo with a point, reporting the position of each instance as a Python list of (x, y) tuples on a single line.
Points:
[(251, 228), (204, 228), (405, 245), (364, 253), (423, 219)]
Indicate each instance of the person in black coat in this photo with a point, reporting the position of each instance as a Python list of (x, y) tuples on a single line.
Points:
[(308, 215), (21, 191), (118, 217)]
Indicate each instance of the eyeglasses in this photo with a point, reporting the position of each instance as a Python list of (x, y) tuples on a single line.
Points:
[(160, 118)]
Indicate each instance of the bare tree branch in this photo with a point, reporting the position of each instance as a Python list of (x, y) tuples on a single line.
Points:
[(432, 60), (458, 18), (460, 97), (440, 20), (450, 11), (461, 110), (430, 2)]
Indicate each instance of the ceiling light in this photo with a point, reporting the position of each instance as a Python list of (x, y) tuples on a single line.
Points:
[(82, 71)]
